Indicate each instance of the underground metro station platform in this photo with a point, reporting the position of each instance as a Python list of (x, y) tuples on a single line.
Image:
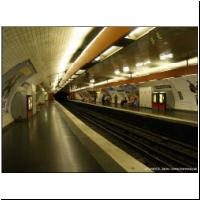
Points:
[(100, 99)]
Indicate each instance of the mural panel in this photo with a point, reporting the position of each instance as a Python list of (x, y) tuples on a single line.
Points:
[(14, 77)]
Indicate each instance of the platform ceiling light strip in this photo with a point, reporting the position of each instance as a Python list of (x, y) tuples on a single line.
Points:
[(88, 46), (140, 64), (97, 59), (87, 54), (165, 56), (190, 75), (170, 66), (165, 67), (126, 69), (147, 62), (117, 71), (76, 38), (74, 76), (81, 71), (139, 32), (92, 81), (193, 61), (109, 52), (55, 83), (100, 83), (110, 81), (91, 43)]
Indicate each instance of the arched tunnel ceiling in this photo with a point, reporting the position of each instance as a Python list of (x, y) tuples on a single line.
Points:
[(87, 40), (49, 49)]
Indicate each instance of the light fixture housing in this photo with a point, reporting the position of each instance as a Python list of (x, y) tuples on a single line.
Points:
[(139, 32), (92, 81), (126, 69), (97, 59), (74, 76), (110, 51), (77, 36), (107, 53), (139, 64), (81, 71), (147, 62), (117, 71), (165, 56)]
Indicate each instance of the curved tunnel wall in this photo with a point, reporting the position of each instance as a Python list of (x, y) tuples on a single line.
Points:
[(183, 97), (18, 106), (12, 81)]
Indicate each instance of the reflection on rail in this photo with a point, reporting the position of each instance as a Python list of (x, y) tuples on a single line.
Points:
[(154, 148)]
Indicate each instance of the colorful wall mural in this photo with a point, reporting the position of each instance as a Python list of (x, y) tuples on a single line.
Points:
[(13, 78)]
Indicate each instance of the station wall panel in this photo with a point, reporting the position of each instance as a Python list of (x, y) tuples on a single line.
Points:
[(145, 96)]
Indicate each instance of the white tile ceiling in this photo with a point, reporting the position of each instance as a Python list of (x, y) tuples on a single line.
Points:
[(46, 47)]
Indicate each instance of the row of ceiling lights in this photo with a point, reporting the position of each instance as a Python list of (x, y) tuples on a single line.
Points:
[(140, 64), (126, 69), (135, 34), (79, 72), (192, 61)]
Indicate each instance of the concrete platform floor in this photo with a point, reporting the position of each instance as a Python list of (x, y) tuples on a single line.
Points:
[(45, 144)]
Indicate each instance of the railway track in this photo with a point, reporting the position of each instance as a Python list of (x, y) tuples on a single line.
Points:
[(156, 151)]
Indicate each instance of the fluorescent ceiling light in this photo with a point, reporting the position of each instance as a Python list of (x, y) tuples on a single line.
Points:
[(154, 80), (91, 85), (107, 53), (92, 81), (100, 83), (76, 38), (148, 71), (144, 63), (126, 69), (165, 56), (70, 79), (165, 67), (97, 58), (190, 75), (81, 71), (74, 76), (193, 61), (147, 62), (117, 72), (139, 64), (139, 32), (54, 84)]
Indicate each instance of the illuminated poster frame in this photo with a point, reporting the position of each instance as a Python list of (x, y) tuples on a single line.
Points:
[(29, 102)]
